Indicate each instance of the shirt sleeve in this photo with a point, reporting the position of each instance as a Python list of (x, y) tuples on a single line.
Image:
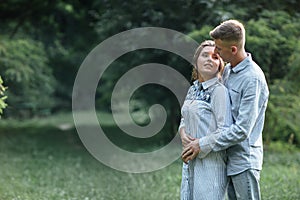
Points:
[(182, 119), (221, 109), (251, 102), (181, 124)]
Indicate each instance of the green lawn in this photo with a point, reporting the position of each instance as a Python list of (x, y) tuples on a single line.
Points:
[(43, 162)]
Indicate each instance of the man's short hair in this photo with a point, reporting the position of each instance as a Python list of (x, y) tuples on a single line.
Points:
[(231, 31)]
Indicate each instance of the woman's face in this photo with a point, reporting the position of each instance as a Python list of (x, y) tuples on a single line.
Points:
[(208, 63)]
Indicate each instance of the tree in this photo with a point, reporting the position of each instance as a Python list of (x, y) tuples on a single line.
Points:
[(272, 39), (23, 63)]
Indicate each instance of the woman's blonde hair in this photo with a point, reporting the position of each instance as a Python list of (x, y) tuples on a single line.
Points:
[(195, 74)]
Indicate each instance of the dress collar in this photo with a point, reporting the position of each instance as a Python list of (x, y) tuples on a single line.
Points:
[(206, 84)]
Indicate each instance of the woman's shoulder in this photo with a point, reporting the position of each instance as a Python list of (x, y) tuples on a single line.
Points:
[(219, 86), (219, 89)]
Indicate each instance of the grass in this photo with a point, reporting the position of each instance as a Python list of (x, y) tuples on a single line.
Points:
[(39, 161), (39, 166), (281, 176)]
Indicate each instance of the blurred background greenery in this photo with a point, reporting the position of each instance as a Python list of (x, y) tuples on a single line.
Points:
[(43, 43)]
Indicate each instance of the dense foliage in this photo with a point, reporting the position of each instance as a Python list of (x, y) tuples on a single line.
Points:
[(29, 78), (42, 44)]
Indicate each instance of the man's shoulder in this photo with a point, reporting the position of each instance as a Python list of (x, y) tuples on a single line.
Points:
[(253, 72)]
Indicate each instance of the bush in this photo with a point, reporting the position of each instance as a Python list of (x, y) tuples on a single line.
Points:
[(283, 114)]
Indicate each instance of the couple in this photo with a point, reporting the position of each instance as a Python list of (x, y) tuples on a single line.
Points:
[(221, 125)]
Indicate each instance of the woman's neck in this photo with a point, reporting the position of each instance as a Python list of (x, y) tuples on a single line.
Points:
[(206, 78)]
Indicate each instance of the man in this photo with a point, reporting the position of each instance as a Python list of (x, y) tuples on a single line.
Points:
[(249, 94)]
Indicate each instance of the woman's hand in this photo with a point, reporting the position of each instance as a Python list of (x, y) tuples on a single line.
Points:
[(190, 151)]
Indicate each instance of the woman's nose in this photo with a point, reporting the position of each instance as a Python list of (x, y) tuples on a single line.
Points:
[(210, 58)]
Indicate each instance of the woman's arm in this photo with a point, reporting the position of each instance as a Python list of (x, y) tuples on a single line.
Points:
[(221, 108), (185, 138)]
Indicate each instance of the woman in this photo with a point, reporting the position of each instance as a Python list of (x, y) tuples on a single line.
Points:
[(206, 110)]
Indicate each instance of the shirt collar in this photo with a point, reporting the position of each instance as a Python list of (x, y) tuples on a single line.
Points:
[(207, 84), (242, 65)]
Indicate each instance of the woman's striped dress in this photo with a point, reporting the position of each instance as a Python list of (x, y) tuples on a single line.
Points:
[(206, 110)]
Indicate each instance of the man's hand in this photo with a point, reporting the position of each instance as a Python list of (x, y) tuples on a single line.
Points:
[(185, 138), (190, 151)]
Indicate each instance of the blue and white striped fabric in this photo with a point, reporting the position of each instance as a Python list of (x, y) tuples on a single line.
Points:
[(203, 113)]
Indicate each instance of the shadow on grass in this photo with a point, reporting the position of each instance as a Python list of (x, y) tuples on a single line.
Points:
[(42, 137)]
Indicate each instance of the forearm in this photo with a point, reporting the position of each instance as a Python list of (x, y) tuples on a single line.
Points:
[(251, 105), (222, 139)]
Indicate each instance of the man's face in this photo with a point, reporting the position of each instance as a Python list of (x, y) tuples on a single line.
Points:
[(224, 50)]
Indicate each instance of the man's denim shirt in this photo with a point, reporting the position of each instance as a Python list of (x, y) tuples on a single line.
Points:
[(249, 94)]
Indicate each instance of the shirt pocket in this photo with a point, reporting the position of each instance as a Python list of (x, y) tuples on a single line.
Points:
[(235, 99)]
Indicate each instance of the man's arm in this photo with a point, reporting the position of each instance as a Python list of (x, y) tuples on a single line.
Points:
[(252, 101)]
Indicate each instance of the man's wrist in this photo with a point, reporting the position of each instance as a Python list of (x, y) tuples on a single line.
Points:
[(204, 145)]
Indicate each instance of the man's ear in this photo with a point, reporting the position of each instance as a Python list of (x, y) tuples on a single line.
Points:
[(234, 50)]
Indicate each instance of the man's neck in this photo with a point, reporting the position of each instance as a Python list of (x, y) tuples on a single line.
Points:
[(240, 56)]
